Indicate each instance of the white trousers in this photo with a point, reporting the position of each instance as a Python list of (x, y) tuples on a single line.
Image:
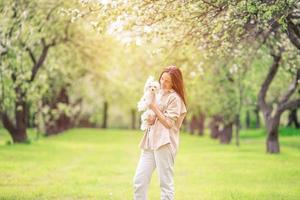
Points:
[(163, 160)]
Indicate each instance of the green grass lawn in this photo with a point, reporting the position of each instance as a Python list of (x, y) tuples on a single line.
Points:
[(100, 164)]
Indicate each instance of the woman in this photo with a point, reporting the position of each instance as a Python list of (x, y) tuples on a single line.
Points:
[(160, 142)]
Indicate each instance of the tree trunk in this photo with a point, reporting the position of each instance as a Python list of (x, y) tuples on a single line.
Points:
[(139, 121), (272, 142), (237, 130), (105, 109), (257, 123), (21, 121), (133, 119), (63, 122), (201, 123), (85, 122), (226, 133), (248, 120), (18, 135), (193, 125), (30, 117), (17, 130), (293, 118), (215, 126)]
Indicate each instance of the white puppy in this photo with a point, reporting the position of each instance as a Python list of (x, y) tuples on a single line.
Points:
[(150, 87)]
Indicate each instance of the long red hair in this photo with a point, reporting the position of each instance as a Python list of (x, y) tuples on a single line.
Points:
[(177, 81)]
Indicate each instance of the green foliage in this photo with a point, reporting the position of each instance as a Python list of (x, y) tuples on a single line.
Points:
[(28, 26), (114, 46)]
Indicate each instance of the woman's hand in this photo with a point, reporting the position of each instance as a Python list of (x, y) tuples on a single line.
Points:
[(151, 119)]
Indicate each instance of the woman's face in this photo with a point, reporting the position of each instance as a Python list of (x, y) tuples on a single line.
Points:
[(166, 81)]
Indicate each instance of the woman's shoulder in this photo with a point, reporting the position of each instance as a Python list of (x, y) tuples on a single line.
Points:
[(173, 96)]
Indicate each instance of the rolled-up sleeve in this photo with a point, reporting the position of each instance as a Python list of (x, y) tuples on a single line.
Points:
[(183, 109), (173, 109)]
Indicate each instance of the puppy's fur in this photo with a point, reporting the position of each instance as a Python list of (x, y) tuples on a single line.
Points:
[(150, 87)]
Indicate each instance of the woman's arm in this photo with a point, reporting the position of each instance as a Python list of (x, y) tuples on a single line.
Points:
[(163, 119)]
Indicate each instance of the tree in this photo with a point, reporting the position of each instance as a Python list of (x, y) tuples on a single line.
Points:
[(30, 30), (272, 115)]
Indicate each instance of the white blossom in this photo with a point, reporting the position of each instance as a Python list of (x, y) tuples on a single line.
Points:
[(233, 69)]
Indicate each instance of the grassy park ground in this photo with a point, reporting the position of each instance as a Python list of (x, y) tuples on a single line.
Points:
[(100, 164)]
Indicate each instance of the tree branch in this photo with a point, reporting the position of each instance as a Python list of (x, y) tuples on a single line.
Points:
[(66, 36), (50, 14), (41, 60), (10, 32), (289, 105), (267, 82), (52, 10), (291, 89), (293, 33), (45, 49), (31, 54)]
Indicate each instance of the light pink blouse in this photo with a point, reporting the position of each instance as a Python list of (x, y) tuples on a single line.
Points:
[(158, 135)]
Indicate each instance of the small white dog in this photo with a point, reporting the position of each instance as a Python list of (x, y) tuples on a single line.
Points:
[(150, 87)]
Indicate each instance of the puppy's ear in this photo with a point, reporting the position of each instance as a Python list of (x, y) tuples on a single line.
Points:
[(149, 80)]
